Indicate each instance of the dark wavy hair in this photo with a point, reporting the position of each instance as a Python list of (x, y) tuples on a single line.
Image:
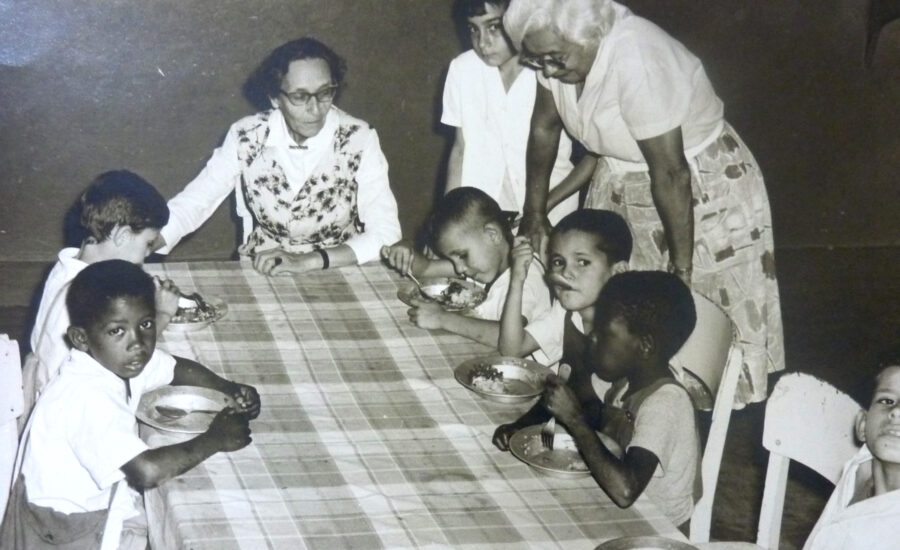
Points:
[(652, 303), (610, 229), (467, 205), (464, 9), (98, 284), (264, 83), (120, 197)]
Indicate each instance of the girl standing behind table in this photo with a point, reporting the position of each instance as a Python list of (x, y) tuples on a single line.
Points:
[(311, 182), (689, 188)]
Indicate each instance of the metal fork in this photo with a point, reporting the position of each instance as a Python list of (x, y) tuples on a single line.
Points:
[(548, 430)]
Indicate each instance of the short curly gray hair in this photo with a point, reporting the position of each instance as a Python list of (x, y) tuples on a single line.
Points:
[(577, 21)]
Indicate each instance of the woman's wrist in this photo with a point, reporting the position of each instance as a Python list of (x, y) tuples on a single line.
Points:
[(683, 272)]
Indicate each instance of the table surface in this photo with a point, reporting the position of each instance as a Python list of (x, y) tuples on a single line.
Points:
[(365, 439)]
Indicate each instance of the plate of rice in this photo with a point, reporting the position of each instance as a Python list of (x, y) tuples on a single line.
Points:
[(563, 460), (503, 379), (452, 294), (190, 316)]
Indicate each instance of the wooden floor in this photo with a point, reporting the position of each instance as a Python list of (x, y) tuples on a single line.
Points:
[(840, 307)]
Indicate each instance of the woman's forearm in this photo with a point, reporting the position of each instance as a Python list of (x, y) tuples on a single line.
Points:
[(672, 196), (543, 144), (572, 183)]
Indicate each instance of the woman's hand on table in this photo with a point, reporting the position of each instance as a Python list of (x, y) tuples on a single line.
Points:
[(279, 262), (426, 315), (247, 399)]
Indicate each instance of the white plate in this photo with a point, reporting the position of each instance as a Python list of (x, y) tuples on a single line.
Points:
[(650, 542), (221, 309), (186, 398), (435, 289), (563, 461), (516, 380)]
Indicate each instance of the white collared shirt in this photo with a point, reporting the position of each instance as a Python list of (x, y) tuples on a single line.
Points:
[(495, 124), (643, 83), (222, 174)]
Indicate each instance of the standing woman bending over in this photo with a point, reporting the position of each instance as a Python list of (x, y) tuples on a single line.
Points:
[(311, 182), (668, 162)]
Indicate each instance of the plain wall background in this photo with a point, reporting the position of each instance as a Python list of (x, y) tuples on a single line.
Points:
[(152, 86)]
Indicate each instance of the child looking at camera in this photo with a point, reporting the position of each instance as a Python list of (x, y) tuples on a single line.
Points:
[(488, 99), (641, 320), (120, 216), (472, 238), (586, 248), (863, 511), (81, 440)]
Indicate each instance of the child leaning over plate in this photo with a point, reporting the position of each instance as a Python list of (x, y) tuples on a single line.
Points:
[(473, 239), (81, 440)]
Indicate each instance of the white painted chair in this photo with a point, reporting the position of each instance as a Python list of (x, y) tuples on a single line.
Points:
[(709, 365), (11, 407), (809, 421)]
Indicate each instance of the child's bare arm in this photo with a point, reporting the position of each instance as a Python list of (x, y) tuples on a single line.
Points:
[(192, 373), (229, 431), (432, 316), (454, 163), (404, 259), (166, 302), (572, 183), (622, 479), (513, 339)]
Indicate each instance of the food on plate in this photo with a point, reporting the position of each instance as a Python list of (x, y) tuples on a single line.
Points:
[(561, 457), (488, 379), (458, 295), (195, 314)]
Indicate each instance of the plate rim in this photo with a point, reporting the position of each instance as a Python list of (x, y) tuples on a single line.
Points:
[(142, 414), (221, 311), (528, 364), (530, 431), (631, 543), (405, 292)]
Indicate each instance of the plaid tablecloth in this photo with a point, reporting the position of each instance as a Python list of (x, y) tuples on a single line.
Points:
[(365, 439)]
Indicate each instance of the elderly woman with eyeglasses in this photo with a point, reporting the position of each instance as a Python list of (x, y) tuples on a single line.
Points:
[(310, 181), (667, 161)]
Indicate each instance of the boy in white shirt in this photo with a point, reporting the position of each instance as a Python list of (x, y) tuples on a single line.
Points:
[(863, 512), (82, 439), (586, 248), (488, 99), (472, 237), (120, 215)]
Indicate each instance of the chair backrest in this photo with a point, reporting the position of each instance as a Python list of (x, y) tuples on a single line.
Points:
[(809, 421), (709, 365), (11, 405)]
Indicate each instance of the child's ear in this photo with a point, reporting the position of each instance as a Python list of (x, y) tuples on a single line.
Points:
[(619, 267), (78, 338), (120, 234), (493, 232), (647, 346), (861, 426)]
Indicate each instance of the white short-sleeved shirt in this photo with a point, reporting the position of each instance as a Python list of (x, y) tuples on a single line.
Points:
[(495, 124), (222, 174), (643, 83), (870, 524), (665, 424), (535, 296), (83, 429)]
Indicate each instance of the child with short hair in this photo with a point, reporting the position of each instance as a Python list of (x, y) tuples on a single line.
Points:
[(473, 238), (863, 512), (641, 320), (488, 98), (82, 437), (121, 215), (586, 248)]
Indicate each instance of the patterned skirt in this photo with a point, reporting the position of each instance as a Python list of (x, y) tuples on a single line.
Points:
[(734, 261)]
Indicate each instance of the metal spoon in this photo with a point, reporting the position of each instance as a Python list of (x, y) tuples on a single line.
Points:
[(174, 413)]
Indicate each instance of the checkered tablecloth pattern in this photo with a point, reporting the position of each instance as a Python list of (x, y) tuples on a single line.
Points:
[(365, 439)]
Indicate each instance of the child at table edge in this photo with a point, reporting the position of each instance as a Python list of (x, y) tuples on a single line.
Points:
[(585, 249), (120, 216), (82, 437), (642, 318), (863, 512), (473, 239), (488, 99)]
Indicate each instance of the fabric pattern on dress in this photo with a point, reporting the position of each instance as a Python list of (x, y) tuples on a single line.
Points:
[(734, 258), (299, 217)]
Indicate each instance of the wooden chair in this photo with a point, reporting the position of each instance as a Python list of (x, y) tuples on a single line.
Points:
[(809, 421), (709, 365), (11, 406)]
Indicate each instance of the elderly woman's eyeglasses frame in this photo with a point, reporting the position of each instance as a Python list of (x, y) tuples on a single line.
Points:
[(553, 61), (301, 98)]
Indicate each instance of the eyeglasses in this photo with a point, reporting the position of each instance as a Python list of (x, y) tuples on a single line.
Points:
[(302, 98), (554, 60)]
